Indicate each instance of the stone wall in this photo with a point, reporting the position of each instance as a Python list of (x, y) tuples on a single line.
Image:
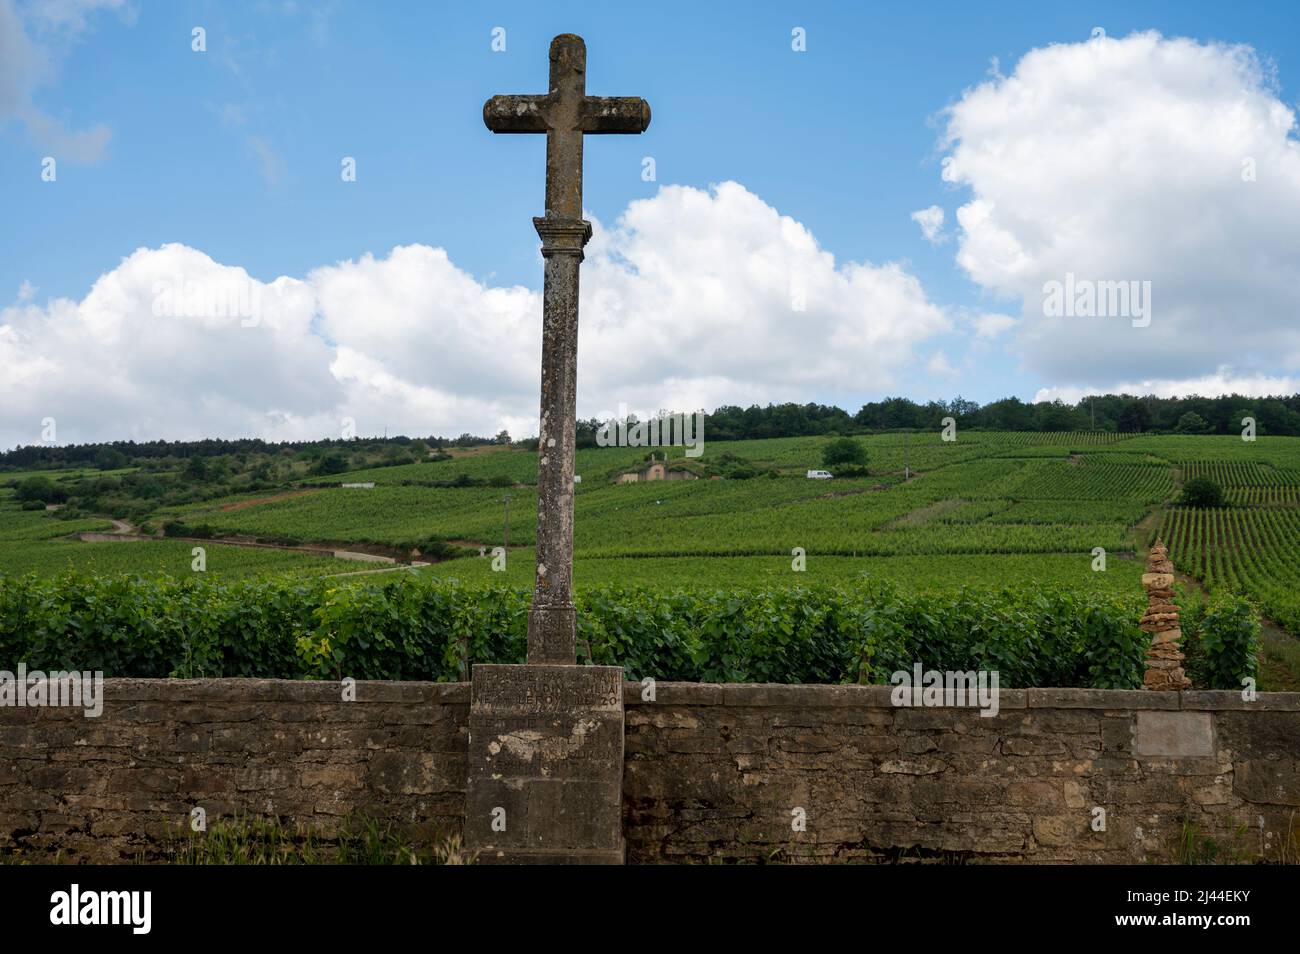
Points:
[(107, 788), (710, 772), (716, 772)]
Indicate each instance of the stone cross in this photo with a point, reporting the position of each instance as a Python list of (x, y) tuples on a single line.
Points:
[(565, 114)]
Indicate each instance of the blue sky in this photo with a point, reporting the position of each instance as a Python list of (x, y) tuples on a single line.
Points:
[(235, 153)]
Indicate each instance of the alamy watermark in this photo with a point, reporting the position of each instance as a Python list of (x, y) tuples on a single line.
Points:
[(126, 908), (1084, 298), (660, 430), (35, 689), (932, 687), (233, 298)]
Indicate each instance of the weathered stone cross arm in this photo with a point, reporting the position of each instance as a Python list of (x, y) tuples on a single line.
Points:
[(596, 114), (566, 114)]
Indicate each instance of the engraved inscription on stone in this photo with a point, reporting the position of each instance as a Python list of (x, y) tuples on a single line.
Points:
[(528, 688)]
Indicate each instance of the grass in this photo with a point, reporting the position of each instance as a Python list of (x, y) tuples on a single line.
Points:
[(361, 840), (1196, 848), (259, 840)]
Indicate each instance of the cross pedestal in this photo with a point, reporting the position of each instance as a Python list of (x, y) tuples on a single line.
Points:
[(546, 765), (546, 738)]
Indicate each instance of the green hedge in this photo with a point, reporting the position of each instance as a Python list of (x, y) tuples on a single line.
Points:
[(423, 628)]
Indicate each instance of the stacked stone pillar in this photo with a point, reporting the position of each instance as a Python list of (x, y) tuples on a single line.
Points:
[(1164, 658)]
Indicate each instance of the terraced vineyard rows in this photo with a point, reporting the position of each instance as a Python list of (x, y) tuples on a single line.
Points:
[(1249, 483), (1149, 483), (1052, 438), (1273, 496), (1239, 473), (1252, 546), (980, 497), (922, 452), (1251, 551), (1124, 512), (404, 516)]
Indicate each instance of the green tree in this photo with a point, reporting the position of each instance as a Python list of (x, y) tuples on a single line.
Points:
[(39, 489), (844, 452), (1192, 423), (959, 407), (1134, 416), (110, 458), (333, 463), (1201, 492), (1056, 416)]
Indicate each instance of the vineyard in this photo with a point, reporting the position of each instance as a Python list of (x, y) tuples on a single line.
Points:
[(1255, 552), (941, 573), (974, 501), (1145, 483), (1006, 506), (174, 557), (988, 510), (1252, 545)]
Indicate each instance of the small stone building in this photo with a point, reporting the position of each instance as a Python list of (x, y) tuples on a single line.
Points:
[(656, 470)]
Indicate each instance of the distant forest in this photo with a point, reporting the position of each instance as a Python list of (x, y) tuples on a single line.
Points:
[(1278, 416), (1275, 416)]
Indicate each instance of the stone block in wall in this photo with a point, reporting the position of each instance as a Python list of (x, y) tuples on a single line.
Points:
[(1268, 781), (1173, 735), (1259, 733)]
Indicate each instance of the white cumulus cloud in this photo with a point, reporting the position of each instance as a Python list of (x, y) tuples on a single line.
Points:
[(690, 299), (1131, 160)]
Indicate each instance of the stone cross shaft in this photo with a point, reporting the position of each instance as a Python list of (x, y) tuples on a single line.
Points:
[(565, 114)]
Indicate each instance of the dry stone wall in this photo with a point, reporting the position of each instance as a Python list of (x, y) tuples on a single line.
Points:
[(110, 788), (709, 771), (719, 772)]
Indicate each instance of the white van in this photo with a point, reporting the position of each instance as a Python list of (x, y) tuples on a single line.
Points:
[(820, 475)]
